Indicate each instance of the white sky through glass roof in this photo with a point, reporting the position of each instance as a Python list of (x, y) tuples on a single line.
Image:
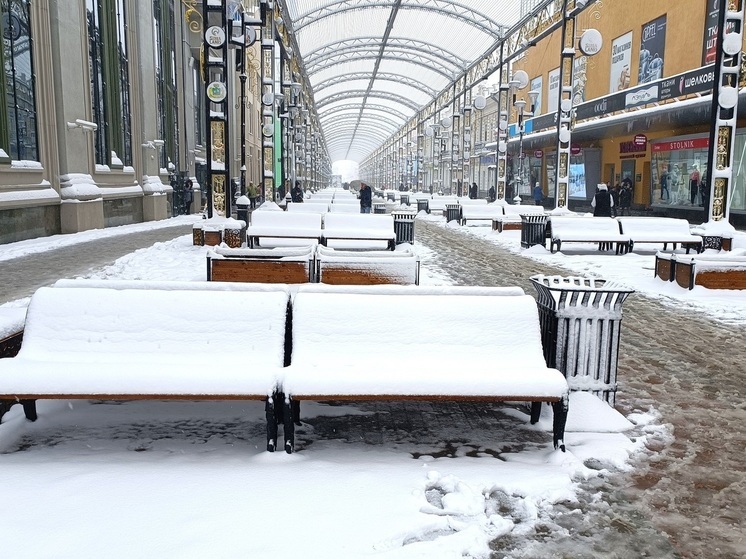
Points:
[(416, 48)]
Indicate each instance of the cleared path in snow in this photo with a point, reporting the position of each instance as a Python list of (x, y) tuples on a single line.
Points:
[(685, 365)]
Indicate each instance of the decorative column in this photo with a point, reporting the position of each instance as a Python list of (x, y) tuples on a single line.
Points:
[(724, 113), (564, 109), (268, 99), (216, 79), (501, 145)]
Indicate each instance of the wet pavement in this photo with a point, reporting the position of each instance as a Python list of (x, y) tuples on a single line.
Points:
[(691, 491), (686, 496)]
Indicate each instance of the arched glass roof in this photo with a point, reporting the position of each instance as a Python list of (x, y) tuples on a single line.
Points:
[(373, 64)]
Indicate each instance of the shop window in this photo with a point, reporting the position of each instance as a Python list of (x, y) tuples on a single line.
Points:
[(165, 67), (678, 171), (737, 194), (18, 137), (108, 53)]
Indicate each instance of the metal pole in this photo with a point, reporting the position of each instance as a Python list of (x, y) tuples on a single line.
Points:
[(724, 112), (564, 109)]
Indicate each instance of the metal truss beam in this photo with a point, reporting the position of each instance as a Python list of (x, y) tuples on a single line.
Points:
[(397, 78), (441, 7), (368, 107), (359, 93), (358, 44), (380, 120), (437, 65)]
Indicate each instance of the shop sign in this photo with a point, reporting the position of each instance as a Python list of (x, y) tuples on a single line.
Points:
[(216, 92), (641, 140), (538, 154), (215, 36), (591, 42), (701, 80), (641, 96), (677, 145), (575, 149), (634, 146)]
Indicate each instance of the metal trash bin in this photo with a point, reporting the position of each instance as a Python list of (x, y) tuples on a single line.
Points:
[(423, 205), (404, 199), (379, 208), (580, 330), (533, 229), (453, 212), (404, 226)]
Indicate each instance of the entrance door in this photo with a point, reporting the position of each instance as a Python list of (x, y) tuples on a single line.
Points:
[(628, 174)]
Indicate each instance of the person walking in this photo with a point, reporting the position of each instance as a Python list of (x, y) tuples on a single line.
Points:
[(538, 195), (296, 195), (625, 199), (188, 196), (602, 202), (252, 193), (491, 193), (694, 184), (366, 198), (473, 191)]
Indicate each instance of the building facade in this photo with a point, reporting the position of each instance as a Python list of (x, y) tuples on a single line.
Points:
[(101, 119)]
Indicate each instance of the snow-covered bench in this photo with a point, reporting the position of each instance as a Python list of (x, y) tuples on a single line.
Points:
[(308, 207), (660, 230), (368, 231), (11, 334), (370, 267), (352, 207), (132, 342), (470, 344), (284, 229), (480, 212), (511, 218), (257, 265), (438, 203), (603, 231)]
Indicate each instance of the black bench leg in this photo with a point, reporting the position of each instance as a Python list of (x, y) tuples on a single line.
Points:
[(560, 419), (271, 415), (29, 409), (289, 424), (535, 412)]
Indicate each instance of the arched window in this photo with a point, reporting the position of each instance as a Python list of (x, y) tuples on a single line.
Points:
[(17, 99), (110, 85)]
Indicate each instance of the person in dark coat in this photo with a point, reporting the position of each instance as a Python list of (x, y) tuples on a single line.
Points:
[(602, 202), (625, 199), (296, 194), (188, 196), (473, 191), (491, 193), (366, 198)]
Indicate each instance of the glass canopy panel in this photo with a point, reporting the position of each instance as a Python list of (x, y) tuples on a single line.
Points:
[(429, 44)]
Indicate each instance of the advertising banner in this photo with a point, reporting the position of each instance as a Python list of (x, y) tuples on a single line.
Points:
[(711, 33), (621, 62), (652, 47), (536, 85), (554, 87)]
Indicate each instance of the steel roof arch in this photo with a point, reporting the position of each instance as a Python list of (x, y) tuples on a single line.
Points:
[(358, 106), (375, 43), (330, 131), (359, 93), (443, 7), (421, 59), (361, 118), (383, 76)]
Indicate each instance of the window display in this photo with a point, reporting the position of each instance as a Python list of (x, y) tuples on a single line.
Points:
[(678, 172)]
